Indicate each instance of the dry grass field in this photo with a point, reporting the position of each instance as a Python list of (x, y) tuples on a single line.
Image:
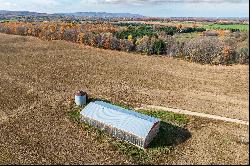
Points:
[(37, 84)]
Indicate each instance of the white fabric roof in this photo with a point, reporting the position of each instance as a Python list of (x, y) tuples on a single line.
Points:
[(118, 117)]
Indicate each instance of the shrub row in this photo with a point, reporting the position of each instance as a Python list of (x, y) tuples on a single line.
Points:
[(204, 49), (149, 30)]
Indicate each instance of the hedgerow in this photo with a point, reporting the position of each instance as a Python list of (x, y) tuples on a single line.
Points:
[(213, 47)]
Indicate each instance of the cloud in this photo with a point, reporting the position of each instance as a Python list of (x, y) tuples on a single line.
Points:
[(5, 4), (162, 8), (165, 1)]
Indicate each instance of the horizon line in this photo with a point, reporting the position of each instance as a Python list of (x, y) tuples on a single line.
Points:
[(125, 13)]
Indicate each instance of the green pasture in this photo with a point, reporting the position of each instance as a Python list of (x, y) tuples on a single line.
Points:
[(241, 27)]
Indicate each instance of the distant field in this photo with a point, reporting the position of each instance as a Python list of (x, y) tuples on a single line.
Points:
[(172, 23), (241, 27)]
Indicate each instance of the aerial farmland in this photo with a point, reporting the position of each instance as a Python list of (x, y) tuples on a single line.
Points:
[(184, 81)]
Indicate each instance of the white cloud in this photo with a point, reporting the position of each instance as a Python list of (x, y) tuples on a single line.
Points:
[(169, 1), (7, 5), (144, 7), (46, 2)]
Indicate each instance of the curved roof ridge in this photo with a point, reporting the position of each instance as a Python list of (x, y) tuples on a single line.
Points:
[(121, 118), (124, 110)]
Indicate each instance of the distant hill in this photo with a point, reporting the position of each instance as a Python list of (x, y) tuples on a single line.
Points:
[(6, 13), (102, 15)]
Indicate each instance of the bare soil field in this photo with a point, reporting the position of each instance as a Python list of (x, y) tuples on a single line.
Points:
[(37, 84)]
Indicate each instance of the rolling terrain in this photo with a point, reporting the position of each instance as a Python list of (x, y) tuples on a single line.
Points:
[(39, 78)]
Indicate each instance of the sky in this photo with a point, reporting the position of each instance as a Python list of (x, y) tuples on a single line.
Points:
[(154, 8)]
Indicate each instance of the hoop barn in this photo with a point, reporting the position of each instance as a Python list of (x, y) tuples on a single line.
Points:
[(124, 124)]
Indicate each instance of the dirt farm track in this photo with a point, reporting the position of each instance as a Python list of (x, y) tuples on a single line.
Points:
[(37, 84)]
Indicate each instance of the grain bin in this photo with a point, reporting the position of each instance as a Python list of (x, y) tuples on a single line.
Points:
[(124, 124), (80, 98)]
